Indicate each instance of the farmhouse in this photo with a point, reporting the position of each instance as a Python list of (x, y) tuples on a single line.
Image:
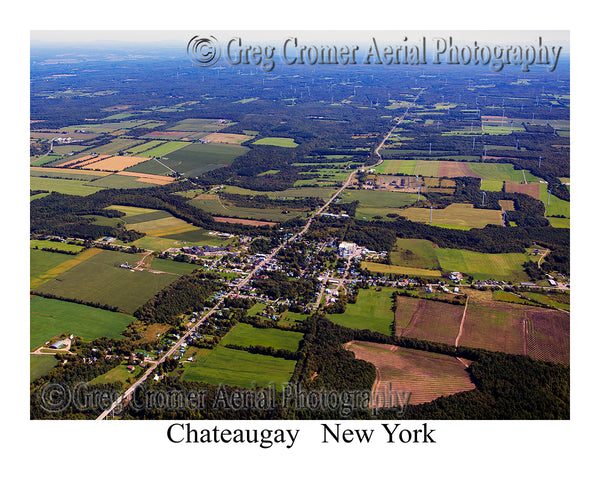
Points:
[(58, 344)]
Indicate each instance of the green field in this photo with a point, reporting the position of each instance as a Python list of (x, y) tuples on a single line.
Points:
[(108, 127), (492, 185), (65, 174), (414, 253), (399, 270), (199, 158), (43, 160), (559, 222), (131, 211), (157, 244), (149, 166), (120, 181), (247, 335), (67, 247), (218, 207), (143, 147), (319, 192), (409, 255), (481, 266), (277, 142), (40, 365), (99, 279), (171, 266), (459, 214), (556, 206), (42, 264), (239, 368), (372, 311), (164, 149), (375, 198), (145, 217), (69, 187), (50, 317), (198, 125), (499, 171), (116, 146)]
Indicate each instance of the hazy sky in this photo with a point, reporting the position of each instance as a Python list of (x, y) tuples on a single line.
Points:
[(75, 37)]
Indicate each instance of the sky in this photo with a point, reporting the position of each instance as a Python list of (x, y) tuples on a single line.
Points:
[(177, 37)]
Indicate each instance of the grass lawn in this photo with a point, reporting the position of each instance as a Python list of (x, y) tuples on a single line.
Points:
[(372, 311), (277, 142), (50, 317), (239, 368), (247, 335), (117, 374), (40, 365), (256, 309)]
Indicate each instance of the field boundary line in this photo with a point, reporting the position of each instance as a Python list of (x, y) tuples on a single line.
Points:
[(462, 322)]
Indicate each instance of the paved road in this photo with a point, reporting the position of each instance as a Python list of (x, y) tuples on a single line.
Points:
[(258, 267)]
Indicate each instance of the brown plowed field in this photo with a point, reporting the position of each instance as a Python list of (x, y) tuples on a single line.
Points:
[(427, 319), (541, 333), (531, 189), (426, 375), (548, 335), (455, 169)]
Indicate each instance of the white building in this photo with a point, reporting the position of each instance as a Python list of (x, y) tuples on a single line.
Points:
[(345, 249)]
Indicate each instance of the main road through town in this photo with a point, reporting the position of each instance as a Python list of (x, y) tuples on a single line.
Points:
[(258, 267)]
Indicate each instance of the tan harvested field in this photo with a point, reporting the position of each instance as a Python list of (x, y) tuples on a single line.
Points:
[(231, 138), (531, 189), (243, 221), (148, 178), (427, 319), (83, 160), (507, 205), (425, 375), (72, 170), (116, 164)]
